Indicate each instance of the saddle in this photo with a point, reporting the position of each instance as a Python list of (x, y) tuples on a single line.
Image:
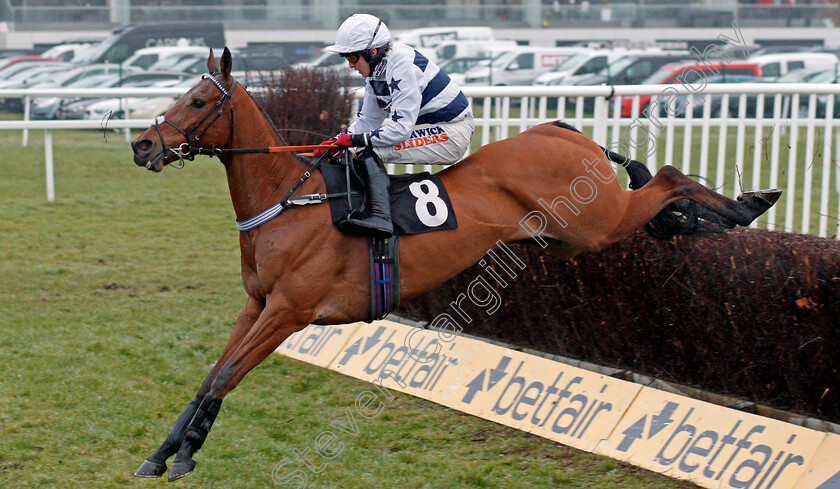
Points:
[(419, 202)]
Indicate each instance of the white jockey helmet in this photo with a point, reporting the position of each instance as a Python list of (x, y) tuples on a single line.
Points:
[(360, 32)]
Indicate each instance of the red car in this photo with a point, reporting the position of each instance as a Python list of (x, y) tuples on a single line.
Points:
[(5, 62), (672, 74)]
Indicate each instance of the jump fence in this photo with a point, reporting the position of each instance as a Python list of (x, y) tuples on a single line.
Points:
[(735, 137)]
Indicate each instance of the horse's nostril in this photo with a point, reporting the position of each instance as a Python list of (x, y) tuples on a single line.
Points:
[(143, 145)]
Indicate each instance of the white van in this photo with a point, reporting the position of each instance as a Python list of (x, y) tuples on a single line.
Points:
[(429, 37), (520, 65), (471, 49), (587, 63), (775, 65), (143, 58)]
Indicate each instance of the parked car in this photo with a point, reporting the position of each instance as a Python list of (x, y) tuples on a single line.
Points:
[(80, 108), (12, 69), (775, 65), (632, 70), (32, 74), (47, 107), (144, 58), (67, 51), (520, 66), (471, 49), (680, 73), (808, 75), (587, 63), (99, 108), (456, 67), (8, 62), (151, 107), (678, 104)]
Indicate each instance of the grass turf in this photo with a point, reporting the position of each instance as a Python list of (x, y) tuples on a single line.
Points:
[(115, 300)]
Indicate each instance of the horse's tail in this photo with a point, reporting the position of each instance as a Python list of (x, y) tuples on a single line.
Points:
[(678, 218)]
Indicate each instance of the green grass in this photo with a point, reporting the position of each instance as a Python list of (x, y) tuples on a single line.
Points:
[(115, 300)]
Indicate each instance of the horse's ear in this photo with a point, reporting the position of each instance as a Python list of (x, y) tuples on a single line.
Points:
[(226, 63), (211, 63)]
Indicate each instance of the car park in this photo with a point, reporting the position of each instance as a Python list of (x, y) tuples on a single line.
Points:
[(520, 65), (587, 63), (692, 74), (79, 108), (146, 57), (471, 49), (456, 67), (430, 37), (631, 70), (123, 42), (775, 65), (679, 105), (32, 74), (47, 107), (67, 51)]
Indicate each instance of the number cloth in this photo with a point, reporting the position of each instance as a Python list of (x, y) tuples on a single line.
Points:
[(419, 202)]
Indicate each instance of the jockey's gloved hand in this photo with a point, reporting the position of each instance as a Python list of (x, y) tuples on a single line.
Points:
[(344, 139), (320, 152), (353, 140)]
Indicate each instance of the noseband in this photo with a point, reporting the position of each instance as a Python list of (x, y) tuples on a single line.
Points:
[(186, 150)]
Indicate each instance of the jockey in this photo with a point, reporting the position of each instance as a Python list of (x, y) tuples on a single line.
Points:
[(431, 121)]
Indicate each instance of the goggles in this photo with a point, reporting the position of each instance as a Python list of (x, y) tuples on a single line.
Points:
[(352, 58)]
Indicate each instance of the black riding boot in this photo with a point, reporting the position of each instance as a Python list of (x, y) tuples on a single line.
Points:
[(378, 199)]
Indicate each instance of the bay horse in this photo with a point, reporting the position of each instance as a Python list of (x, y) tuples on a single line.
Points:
[(298, 269)]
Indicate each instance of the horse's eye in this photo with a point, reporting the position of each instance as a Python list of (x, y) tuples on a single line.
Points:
[(198, 103)]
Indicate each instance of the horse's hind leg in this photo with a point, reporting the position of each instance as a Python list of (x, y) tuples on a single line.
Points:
[(670, 185), (155, 465)]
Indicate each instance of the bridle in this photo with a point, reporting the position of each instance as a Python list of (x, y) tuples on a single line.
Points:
[(186, 150)]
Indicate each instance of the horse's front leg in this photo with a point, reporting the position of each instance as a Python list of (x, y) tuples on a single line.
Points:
[(155, 465), (274, 325)]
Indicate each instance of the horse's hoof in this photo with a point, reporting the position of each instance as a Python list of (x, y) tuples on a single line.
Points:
[(150, 469), (181, 469), (761, 200)]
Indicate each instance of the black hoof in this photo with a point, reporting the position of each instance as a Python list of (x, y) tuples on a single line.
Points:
[(181, 469), (758, 202), (150, 469)]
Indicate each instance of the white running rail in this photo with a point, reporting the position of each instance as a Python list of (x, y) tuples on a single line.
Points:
[(728, 140)]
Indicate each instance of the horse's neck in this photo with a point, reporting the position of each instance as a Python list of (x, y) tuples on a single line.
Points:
[(257, 181)]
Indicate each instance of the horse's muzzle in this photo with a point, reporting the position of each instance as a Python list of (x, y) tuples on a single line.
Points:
[(147, 156)]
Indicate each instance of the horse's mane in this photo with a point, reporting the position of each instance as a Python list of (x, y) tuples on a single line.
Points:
[(271, 123)]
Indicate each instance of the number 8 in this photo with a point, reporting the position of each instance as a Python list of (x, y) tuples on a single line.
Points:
[(425, 197)]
